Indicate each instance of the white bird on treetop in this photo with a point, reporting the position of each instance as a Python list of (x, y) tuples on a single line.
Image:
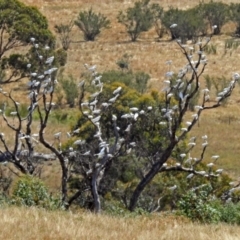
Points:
[(219, 170), (117, 90), (76, 131), (128, 128), (134, 109), (57, 135), (96, 119), (86, 153), (215, 157), (190, 176), (173, 25), (183, 155), (210, 165), (173, 188), (92, 68), (205, 137), (50, 60), (191, 144), (112, 100), (79, 142)]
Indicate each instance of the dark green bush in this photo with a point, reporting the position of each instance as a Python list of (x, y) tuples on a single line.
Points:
[(235, 17), (214, 13), (70, 89), (189, 24), (135, 80), (230, 213)]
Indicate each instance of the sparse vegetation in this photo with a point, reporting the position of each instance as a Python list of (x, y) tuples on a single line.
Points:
[(70, 89), (91, 24), (118, 180), (64, 31)]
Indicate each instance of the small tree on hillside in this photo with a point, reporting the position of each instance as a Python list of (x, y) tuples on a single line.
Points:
[(137, 19), (18, 23), (172, 118), (64, 31), (158, 14), (215, 13), (235, 17), (91, 24), (190, 24)]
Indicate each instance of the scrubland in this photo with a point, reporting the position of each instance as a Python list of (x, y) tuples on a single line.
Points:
[(149, 54)]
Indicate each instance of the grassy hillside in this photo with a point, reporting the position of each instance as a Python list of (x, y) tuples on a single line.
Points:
[(31, 223), (149, 54)]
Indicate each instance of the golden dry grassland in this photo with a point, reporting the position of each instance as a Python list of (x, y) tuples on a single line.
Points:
[(36, 224)]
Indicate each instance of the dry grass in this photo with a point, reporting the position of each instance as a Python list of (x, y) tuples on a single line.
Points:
[(20, 223), (149, 55)]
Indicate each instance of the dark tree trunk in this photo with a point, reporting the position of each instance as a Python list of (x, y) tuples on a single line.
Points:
[(149, 176), (94, 188)]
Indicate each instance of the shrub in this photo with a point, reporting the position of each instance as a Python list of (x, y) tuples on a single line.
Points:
[(91, 24), (123, 63), (231, 45), (199, 206), (70, 89), (64, 31), (158, 14), (61, 57), (230, 213), (30, 191), (211, 49), (137, 80)]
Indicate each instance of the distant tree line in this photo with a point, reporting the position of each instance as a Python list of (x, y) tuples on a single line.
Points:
[(192, 23)]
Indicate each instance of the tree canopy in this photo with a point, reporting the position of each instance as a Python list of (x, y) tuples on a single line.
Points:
[(18, 24)]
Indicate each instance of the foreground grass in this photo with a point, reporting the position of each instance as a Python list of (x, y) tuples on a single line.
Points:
[(32, 223)]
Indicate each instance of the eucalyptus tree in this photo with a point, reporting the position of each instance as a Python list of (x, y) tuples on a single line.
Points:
[(137, 19), (215, 14), (190, 23), (174, 121), (153, 129), (18, 23)]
